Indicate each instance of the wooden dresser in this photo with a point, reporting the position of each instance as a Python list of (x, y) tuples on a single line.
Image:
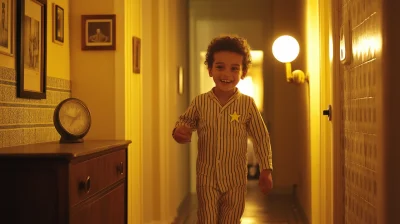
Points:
[(51, 183)]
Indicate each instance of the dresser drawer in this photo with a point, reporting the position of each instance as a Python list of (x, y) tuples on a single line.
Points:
[(90, 176)]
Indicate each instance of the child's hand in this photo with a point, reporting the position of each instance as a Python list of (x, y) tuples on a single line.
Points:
[(182, 134), (265, 181)]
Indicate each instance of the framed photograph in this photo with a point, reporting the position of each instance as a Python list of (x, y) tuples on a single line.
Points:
[(58, 24), (136, 54), (31, 48), (6, 27), (98, 32)]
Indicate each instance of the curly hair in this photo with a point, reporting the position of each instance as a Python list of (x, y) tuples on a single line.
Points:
[(230, 43)]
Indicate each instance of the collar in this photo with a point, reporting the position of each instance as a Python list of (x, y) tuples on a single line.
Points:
[(236, 95)]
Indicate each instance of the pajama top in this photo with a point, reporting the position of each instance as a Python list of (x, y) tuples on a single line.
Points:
[(222, 138)]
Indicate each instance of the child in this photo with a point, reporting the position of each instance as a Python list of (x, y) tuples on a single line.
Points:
[(224, 119)]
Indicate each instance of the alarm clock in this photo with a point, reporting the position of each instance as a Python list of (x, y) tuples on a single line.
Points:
[(72, 120)]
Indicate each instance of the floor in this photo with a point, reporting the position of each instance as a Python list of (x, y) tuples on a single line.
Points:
[(260, 209)]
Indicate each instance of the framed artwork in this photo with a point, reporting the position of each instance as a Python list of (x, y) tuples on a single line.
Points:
[(136, 54), (31, 48), (98, 32), (6, 27), (58, 24)]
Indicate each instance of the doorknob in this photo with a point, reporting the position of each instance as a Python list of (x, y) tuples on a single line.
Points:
[(328, 112)]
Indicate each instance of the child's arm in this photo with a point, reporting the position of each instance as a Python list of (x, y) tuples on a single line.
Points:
[(262, 148), (259, 135), (187, 122)]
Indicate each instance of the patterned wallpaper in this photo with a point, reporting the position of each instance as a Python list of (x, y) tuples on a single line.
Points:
[(28, 121), (358, 99)]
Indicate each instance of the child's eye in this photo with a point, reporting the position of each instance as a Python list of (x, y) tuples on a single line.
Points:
[(235, 68), (219, 67)]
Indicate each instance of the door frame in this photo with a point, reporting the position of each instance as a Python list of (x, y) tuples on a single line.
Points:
[(327, 68)]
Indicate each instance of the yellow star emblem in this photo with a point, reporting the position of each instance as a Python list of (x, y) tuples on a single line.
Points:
[(234, 117)]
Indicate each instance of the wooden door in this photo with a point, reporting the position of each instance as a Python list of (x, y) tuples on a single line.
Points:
[(337, 121)]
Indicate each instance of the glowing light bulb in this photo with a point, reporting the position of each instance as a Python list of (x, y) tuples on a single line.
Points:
[(285, 48)]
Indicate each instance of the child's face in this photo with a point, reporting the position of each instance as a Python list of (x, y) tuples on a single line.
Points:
[(226, 70)]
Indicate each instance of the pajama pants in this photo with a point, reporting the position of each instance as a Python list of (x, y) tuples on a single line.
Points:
[(216, 207)]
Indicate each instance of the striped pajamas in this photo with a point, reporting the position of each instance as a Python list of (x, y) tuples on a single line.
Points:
[(221, 166)]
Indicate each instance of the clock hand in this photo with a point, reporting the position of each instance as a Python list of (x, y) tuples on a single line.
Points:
[(69, 115), (74, 118)]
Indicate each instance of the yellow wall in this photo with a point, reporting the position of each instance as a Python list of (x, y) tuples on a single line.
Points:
[(58, 56), (26, 121), (58, 62), (93, 72)]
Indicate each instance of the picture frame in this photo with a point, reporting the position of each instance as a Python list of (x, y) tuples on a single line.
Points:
[(136, 50), (58, 24), (6, 27), (31, 45), (98, 32)]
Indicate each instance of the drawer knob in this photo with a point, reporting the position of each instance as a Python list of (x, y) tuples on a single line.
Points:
[(120, 168), (85, 185)]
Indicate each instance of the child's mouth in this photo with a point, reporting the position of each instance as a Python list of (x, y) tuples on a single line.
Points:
[(226, 81)]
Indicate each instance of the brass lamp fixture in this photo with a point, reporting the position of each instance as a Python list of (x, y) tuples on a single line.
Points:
[(285, 49)]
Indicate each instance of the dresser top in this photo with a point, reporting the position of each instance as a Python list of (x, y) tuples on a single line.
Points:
[(68, 151)]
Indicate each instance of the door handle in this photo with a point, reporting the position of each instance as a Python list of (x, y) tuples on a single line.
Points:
[(328, 112)]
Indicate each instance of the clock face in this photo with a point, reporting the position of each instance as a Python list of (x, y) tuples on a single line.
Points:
[(74, 117)]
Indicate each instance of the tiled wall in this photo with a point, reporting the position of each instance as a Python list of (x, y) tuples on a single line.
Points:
[(358, 99), (28, 121)]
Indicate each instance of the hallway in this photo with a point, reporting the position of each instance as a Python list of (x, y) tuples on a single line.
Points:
[(260, 209)]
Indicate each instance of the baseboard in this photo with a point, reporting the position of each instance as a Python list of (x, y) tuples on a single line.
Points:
[(299, 211)]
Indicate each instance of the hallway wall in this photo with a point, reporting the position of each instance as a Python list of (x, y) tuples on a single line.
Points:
[(28, 121), (359, 96), (165, 163), (290, 106)]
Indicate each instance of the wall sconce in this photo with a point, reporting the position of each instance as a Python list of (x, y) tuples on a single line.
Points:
[(285, 50)]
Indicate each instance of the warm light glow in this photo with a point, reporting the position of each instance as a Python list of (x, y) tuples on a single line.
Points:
[(366, 47), (257, 57), (246, 86), (285, 48), (248, 220)]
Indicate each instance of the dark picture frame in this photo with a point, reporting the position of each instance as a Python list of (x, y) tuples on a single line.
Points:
[(58, 24), (31, 45), (98, 32), (136, 48), (6, 27)]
